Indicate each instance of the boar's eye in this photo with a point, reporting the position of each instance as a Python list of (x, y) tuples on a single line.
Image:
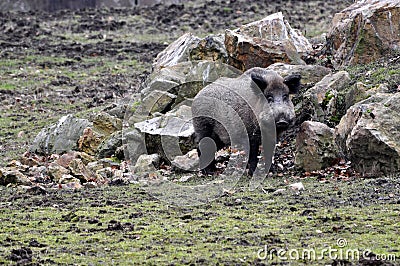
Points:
[(285, 97), (270, 98)]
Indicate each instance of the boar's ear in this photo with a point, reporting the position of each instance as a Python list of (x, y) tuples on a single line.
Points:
[(293, 83), (261, 83)]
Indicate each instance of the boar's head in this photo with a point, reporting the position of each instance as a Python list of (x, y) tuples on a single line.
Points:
[(276, 91)]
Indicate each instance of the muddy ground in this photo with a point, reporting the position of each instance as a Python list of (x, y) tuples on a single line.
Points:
[(80, 61)]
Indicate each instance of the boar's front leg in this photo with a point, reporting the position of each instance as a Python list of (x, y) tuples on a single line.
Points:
[(253, 155)]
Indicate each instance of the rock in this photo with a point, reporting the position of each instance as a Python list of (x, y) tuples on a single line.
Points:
[(369, 135), (147, 163), (186, 178), (106, 124), (191, 48), (211, 48), (105, 173), (90, 141), (169, 135), (56, 171), (310, 74), (264, 42), (297, 186), (134, 144), (69, 182), (13, 176), (110, 145), (166, 78), (17, 165), (90, 185), (157, 101), (30, 160), (68, 179), (61, 137), (187, 162), (65, 159), (360, 92), (80, 171), (365, 32), (176, 52), (321, 101), (184, 80), (315, 146)]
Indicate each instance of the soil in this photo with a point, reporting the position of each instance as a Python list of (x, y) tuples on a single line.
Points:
[(80, 61)]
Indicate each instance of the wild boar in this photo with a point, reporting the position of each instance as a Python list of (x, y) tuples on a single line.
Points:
[(229, 106)]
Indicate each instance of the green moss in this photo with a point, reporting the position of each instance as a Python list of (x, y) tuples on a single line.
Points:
[(328, 96)]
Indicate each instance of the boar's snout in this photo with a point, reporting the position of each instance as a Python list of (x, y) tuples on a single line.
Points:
[(282, 124), (284, 118)]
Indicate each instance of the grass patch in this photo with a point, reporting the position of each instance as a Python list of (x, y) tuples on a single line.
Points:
[(123, 225)]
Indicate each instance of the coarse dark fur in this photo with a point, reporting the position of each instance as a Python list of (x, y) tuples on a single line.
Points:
[(247, 100)]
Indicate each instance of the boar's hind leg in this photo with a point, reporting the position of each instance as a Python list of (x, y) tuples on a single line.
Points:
[(208, 143), (206, 151)]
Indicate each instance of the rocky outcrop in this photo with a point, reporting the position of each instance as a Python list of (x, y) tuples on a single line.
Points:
[(369, 135), (264, 42), (315, 146), (365, 32)]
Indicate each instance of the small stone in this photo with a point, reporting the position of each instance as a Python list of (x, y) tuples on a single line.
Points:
[(79, 170), (187, 162), (56, 171), (147, 163), (65, 179), (297, 186)]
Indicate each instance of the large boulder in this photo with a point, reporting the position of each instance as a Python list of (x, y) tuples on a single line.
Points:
[(168, 135), (264, 42), (190, 47), (369, 135), (315, 146), (365, 31), (61, 137)]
